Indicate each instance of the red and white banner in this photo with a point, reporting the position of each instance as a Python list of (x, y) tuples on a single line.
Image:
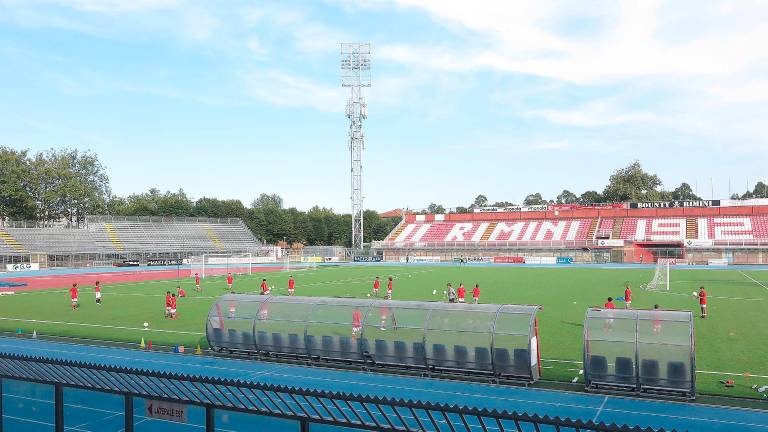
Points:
[(509, 260)]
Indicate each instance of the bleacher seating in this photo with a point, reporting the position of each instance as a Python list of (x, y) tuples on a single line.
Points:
[(106, 235)]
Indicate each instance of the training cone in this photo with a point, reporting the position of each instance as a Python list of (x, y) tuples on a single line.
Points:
[(198, 350), (141, 344), (149, 344), (34, 334), (19, 332)]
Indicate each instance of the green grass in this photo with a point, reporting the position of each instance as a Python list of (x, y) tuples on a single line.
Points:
[(732, 339)]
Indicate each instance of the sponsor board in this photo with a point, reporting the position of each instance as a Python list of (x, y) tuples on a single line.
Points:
[(674, 204), (610, 243), (332, 259), (22, 267), (717, 261), (312, 259), (564, 260), (420, 259), (509, 260), (263, 260), (513, 209), (698, 243), (128, 263), (367, 258), (164, 262), (163, 410)]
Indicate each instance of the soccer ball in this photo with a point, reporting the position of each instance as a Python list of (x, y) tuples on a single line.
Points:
[(694, 294), (146, 324), (445, 292), (434, 292), (368, 295)]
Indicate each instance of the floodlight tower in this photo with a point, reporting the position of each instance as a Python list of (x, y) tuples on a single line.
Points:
[(356, 74)]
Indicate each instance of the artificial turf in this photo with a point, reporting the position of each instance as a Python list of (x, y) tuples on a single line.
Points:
[(731, 340)]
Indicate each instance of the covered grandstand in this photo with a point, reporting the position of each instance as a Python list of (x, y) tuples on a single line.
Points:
[(107, 240), (736, 234)]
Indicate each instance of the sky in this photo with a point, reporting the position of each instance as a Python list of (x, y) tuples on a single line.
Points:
[(233, 98)]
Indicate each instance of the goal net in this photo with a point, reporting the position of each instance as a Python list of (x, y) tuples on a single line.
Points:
[(220, 264), (660, 281)]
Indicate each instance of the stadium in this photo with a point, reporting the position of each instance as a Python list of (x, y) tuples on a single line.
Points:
[(638, 308)]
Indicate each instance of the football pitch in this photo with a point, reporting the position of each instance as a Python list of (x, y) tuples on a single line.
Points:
[(730, 343)]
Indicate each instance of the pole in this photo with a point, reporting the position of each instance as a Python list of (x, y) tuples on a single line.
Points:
[(58, 407), (1, 405), (210, 419), (128, 413)]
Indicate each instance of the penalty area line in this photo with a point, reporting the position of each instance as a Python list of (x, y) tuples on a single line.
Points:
[(99, 326), (753, 279)]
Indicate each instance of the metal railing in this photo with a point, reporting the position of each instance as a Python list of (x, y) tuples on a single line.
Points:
[(304, 405)]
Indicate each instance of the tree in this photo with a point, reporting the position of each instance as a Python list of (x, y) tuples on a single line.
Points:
[(435, 208), (16, 201), (480, 201), (590, 197), (684, 192), (461, 210), (502, 204), (567, 197), (632, 184), (216, 208), (760, 191), (267, 200), (534, 199)]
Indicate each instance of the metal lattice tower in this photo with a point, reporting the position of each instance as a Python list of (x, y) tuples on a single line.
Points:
[(356, 74)]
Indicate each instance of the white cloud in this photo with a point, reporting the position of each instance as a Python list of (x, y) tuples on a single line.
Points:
[(257, 47), (595, 113), (285, 89)]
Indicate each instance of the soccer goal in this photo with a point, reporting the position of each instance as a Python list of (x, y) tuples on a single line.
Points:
[(220, 264), (660, 281)]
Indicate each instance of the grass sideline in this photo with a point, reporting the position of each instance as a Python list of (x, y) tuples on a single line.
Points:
[(727, 342)]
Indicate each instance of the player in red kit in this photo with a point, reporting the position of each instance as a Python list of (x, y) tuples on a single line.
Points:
[(628, 296), (264, 287), (197, 282), (476, 293), (173, 306), (229, 281), (357, 322), (461, 293), (609, 304), (389, 288), (291, 285), (97, 292), (168, 304), (702, 295), (376, 285), (180, 292), (73, 296)]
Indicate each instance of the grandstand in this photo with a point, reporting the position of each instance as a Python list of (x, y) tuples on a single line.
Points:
[(738, 233), (108, 239)]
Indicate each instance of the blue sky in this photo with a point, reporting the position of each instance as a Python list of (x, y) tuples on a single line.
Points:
[(506, 98)]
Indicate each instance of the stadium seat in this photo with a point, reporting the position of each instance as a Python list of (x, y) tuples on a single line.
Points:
[(676, 374), (482, 358), (502, 361), (218, 337), (293, 343), (598, 367), (439, 355), (401, 352), (522, 361), (460, 356), (625, 370), (346, 348), (277, 342), (382, 351), (246, 339), (309, 342), (365, 346), (649, 372), (418, 353), (233, 339), (262, 340), (329, 347)]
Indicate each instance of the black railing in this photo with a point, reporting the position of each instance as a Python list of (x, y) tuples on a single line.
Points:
[(307, 406)]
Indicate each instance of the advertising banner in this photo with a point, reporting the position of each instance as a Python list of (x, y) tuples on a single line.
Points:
[(22, 267), (717, 262), (674, 204), (610, 243), (163, 410), (698, 243), (128, 263), (421, 259), (164, 262), (367, 258), (513, 209), (565, 260), (509, 260)]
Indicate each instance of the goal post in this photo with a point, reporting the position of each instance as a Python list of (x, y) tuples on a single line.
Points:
[(660, 281), (208, 265)]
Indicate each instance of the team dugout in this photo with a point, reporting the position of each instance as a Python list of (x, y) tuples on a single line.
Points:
[(640, 350), (501, 340)]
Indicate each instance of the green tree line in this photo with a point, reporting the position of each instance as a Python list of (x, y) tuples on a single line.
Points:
[(57, 185)]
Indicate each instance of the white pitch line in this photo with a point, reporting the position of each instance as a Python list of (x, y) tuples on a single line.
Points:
[(599, 410), (753, 279), (712, 297), (99, 326)]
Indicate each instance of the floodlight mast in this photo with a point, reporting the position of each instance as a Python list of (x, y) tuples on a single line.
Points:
[(356, 74)]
